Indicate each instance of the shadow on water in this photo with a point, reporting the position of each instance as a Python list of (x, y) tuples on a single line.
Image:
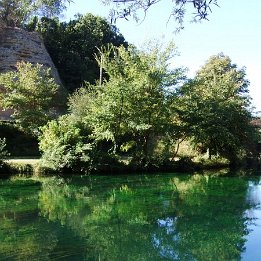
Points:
[(134, 217)]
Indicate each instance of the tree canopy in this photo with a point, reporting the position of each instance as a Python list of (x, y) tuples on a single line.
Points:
[(30, 93), (131, 112), (17, 12), (72, 46), (133, 108), (215, 108), (142, 109)]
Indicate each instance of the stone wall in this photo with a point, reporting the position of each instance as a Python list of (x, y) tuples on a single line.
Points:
[(19, 45)]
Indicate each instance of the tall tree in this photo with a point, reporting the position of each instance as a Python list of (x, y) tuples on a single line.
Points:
[(129, 113), (17, 12), (214, 107), (30, 93), (72, 46), (132, 109)]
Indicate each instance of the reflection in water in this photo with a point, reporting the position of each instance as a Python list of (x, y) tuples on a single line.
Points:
[(254, 214), (169, 226), (165, 217)]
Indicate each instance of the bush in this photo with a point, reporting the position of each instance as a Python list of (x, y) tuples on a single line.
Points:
[(65, 147)]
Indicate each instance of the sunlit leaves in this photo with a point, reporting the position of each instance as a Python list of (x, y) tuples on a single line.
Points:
[(65, 146), (132, 106), (214, 108), (30, 93)]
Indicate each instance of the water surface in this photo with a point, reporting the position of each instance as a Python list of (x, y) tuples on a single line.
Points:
[(136, 217)]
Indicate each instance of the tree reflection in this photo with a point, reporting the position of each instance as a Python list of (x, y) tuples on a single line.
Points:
[(210, 221), (160, 218), (20, 236), (26, 236)]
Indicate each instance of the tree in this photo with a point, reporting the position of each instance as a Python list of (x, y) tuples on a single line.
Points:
[(214, 108), (72, 46), (30, 93), (131, 111), (127, 8), (128, 113), (17, 12)]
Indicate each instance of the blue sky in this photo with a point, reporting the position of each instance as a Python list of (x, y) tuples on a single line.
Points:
[(233, 28)]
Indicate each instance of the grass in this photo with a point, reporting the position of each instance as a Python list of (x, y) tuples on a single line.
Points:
[(23, 161), (22, 166)]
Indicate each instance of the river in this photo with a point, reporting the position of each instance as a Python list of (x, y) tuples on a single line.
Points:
[(131, 217)]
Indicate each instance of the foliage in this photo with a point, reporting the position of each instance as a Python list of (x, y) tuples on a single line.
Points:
[(72, 46), (30, 93), (214, 108), (17, 12), (64, 146), (141, 110), (126, 8), (131, 111)]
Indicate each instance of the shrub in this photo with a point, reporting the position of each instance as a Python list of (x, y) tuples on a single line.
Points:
[(64, 146)]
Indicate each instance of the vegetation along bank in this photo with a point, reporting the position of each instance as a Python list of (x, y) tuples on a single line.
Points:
[(118, 108)]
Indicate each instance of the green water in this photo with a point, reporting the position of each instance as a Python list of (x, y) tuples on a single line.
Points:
[(162, 217)]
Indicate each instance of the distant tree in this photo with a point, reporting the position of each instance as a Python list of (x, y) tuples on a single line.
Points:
[(128, 8), (30, 93), (17, 12), (214, 108), (72, 46)]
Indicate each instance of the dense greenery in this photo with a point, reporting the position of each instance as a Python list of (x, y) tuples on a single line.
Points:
[(215, 109), (72, 46), (129, 114), (142, 109), (128, 107), (30, 93), (65, 146)]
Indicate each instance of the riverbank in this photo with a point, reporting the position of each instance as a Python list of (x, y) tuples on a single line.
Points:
[(19, 166), (33, 167)]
